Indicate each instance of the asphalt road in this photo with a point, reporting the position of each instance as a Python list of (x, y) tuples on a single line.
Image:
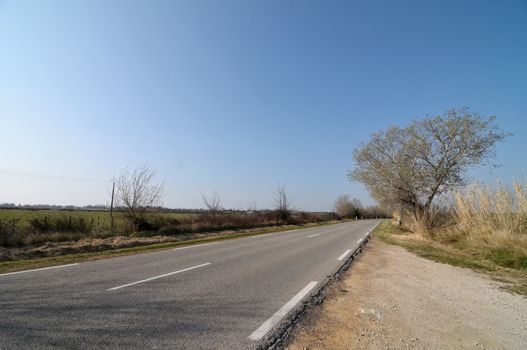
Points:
[(225, 295)]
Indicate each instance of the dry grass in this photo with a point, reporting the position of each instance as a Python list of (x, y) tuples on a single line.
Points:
[(497, 256), (485, 221), (19, 228), (492, 220), (87, 255), (482, 210)]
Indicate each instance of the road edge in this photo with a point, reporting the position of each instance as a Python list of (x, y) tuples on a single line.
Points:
[(281, 335)]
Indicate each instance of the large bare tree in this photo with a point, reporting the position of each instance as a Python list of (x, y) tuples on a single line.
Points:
[(412, 166), (136, 191)]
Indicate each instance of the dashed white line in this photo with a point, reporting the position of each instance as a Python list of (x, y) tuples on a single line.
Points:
[(195, 246), (316, 234), (41, 269), (156, 277), (261, 331), (343, 256)]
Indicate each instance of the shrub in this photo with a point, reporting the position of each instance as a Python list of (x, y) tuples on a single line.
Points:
[(8, 232), (60, 224)]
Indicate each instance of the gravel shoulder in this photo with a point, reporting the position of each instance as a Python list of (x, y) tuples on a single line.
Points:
[(393, 299)]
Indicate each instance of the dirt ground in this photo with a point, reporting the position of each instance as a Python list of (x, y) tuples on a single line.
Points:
[(87, 245), (392, 299)]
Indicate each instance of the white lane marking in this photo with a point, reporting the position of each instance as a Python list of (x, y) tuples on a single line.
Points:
[(261, 331), (41, 269), (265, 234), (360, 240), (195, 246), (287, 231), (343, 256), (316, 234), (156, 277)]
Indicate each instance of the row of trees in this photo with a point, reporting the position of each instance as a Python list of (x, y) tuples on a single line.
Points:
[(137, 192), (352, 208), (404, 168)]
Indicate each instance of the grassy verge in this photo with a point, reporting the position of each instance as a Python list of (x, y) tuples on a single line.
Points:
[(19, 265), (457, 254)]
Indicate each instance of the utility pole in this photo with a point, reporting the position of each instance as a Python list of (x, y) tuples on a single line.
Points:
[(111, 207)]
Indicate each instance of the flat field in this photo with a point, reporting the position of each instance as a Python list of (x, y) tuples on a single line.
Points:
[(98, 219)]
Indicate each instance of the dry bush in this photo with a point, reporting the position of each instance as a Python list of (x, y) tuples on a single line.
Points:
[(63, 224), (430, 223)]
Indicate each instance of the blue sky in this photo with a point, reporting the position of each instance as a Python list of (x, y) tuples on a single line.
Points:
[(238, 96)]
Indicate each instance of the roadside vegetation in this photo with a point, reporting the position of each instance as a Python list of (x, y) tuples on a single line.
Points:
[(412, 168), (138, 219), (138, 212), (20, 228), (352, 208), (419, 171), (485, 221), (496, 261), (97, 252)]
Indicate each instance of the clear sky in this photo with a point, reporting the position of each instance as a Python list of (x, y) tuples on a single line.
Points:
[(238, 96)]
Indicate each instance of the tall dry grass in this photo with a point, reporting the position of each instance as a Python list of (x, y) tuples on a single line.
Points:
[(428, 224), (482, 209), (492, 221), (481, 221)]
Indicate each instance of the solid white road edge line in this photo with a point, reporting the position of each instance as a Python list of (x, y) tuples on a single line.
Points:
[(194, 246), (261, 331), (156, 277), (316, 234), (360, 240), (343, 256), (41, 269)]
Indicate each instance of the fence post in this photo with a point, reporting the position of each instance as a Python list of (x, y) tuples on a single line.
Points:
[(111, 208)]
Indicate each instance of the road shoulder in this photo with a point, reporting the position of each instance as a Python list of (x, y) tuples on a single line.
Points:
[(392, 299)]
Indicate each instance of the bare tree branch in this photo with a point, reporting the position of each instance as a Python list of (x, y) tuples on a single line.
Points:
[(136, 191), (213, 203)]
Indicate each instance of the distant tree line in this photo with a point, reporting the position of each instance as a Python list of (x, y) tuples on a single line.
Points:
[(52, 207), (352, 208)]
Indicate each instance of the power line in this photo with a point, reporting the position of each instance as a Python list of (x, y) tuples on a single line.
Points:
[(50, 177)]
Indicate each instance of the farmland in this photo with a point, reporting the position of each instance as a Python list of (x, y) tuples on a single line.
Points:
[(99, 220), (30, 228)]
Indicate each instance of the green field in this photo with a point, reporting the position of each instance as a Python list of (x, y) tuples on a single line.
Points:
[(25, 227), (100, 220)]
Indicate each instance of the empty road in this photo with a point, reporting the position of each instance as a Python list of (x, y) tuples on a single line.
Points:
[(222, 295)]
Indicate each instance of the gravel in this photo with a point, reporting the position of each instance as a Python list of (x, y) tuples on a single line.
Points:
[(392, 299)]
